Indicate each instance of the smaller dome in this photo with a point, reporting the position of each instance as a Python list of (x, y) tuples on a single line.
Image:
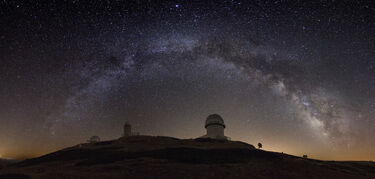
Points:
[(94, 139), (127, 124), (214, 119)]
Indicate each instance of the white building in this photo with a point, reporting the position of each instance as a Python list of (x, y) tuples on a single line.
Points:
[(127, 129), (215, 127), (94, 139)]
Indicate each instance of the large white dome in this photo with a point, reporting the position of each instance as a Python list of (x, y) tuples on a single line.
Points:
[(214, 119)]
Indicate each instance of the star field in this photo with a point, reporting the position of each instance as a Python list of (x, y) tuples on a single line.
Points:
[(297, 76)]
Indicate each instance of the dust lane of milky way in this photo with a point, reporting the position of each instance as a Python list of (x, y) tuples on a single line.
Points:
[(296, 76)]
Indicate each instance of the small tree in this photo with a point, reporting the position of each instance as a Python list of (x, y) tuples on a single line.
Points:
[(259, 145), (304, 156)]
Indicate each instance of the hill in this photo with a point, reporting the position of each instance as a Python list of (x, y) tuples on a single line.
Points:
[(166, 157), (5, 162)]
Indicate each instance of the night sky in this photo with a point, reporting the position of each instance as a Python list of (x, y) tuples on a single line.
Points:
[(297, 76)]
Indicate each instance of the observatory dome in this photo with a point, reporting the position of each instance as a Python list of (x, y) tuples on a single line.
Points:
[(127, 129), (214, 119)]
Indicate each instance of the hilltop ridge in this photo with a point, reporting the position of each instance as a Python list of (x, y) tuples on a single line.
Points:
[(167, 157)]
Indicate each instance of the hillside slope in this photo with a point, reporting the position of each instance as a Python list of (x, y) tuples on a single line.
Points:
[(166, 157)]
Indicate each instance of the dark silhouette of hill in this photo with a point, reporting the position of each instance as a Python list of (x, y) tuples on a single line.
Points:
[(5, 162), (166, 157)]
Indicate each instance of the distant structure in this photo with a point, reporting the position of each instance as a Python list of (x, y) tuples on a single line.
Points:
[(215, 127), (127, 129), (94, 139)]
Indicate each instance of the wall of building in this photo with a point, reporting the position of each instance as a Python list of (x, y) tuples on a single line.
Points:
[(215, 131)]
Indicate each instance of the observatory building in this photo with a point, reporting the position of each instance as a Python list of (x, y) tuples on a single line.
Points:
[(94, 139), (215, 127), (127, 129)]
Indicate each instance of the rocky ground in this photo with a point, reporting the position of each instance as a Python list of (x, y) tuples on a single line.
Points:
[(166, 157)]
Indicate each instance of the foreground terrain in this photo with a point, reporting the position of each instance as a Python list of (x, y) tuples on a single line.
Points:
[(166, 157)]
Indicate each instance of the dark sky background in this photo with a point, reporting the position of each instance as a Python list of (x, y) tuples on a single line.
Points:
[(297, 76)]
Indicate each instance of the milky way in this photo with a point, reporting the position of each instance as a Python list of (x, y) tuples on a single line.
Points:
[(298, 77)]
